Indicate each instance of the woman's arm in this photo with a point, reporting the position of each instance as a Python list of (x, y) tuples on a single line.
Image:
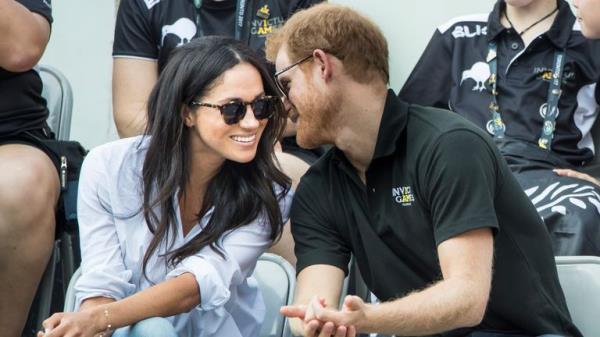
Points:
[(175, 296)]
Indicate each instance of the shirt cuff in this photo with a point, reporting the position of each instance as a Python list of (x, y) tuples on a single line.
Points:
[(103, 283), (213, 291)]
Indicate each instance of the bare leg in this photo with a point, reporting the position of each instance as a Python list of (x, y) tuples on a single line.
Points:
[(295, 168), (29, 190)]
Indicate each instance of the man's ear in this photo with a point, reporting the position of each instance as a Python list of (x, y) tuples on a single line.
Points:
[(187, 116), (324, 62)]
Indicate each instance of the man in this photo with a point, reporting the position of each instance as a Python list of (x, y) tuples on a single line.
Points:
[(526, 75), (588, 14), (419, 196), (29, 183)]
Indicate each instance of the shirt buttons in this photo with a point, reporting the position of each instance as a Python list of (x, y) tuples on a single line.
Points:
[(373, 190), (514, 46)]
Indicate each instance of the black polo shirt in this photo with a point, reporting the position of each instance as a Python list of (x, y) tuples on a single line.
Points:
[(22, 106), (433, 176), (151, 29), (452, 73)]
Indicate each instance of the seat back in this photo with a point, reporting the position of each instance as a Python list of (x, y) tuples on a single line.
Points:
[(276, 279), (59, 98), (580, 280), (596, 136)]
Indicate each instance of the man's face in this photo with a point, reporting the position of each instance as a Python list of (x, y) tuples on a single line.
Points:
[(588, 14), (309, 101)]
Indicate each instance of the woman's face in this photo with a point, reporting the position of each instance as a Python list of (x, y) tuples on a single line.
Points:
[(588, 14), (211, 136)]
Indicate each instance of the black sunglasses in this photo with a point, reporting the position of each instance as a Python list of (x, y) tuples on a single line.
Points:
[(283, 88), (232, 112)]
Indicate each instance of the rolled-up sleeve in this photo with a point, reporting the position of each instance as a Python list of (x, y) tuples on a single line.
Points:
[(241, 247), (103, 272)]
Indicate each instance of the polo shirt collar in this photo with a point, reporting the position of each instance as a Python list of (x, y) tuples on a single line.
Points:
[(393, 125), (559, 32)]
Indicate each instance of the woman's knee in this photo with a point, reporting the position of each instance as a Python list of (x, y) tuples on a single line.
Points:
[(153, 327)]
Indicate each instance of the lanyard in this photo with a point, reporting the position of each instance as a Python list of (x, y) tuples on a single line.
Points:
[(240, 13), (497, 127)]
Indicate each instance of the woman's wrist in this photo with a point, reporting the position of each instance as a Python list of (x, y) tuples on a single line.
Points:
[(101, 320)]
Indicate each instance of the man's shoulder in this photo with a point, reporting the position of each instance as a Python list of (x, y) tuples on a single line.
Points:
[(434, 122)]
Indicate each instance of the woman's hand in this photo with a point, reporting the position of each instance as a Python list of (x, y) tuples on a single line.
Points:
[(578, 175), (84, 323)]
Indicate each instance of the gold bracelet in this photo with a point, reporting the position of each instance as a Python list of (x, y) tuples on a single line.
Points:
[(108, 325)]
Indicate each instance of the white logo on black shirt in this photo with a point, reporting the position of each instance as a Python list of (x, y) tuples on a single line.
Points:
[(465, 31), (184, 29), (403, 195), (480, 73), (151, 3)]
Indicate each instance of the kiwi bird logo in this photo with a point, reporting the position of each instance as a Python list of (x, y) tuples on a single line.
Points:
[(184, 29), (480, 73)]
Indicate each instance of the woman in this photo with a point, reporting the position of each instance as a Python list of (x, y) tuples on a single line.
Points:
[(173, 222), (527, 75)]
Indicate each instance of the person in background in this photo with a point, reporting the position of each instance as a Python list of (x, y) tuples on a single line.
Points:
[(420, 197), (526, 75), (172, 222), (588, 15), (29, 183)]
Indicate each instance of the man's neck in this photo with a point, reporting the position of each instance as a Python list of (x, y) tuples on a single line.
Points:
[(356, 131), (523, 17), (529, 14)]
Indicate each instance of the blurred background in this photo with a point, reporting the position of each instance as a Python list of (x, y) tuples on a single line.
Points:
[(82, 35)]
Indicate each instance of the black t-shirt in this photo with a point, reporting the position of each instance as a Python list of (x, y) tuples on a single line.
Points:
[(151, 29), (433, 176), (22, 106), (453, 73)]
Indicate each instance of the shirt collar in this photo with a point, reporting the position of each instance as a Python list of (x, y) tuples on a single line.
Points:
[(393, 125), (559, 32)]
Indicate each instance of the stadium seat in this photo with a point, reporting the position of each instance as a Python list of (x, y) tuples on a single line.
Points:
[(580, 280), (59, 97)]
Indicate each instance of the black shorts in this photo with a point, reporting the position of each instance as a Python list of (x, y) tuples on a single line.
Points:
[(36, 139)]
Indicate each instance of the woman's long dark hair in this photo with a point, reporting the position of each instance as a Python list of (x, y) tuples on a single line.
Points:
[(239, 192)]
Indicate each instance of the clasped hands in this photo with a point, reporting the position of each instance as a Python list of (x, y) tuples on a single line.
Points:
[(320, 321)]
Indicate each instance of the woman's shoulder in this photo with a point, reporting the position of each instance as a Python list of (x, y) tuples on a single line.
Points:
[(119, 150)]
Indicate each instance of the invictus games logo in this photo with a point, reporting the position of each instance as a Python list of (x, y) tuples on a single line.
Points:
[(265, 23), (403, 195)]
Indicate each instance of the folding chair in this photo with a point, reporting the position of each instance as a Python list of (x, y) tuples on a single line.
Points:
[(580, 280), (59, 97)]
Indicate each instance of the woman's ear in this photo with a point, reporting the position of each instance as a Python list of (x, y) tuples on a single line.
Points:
[(187, 116)]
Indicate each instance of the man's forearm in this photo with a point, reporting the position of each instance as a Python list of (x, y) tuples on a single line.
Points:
[(444, 306)]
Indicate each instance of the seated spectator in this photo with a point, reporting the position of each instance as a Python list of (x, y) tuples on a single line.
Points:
[(588, 15), (148, 31), (426, 220), (526, 75), (29, 183), (172, 222)]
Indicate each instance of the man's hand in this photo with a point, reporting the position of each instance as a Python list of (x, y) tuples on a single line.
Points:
[(313, 327), (578, 175), (353, 314)]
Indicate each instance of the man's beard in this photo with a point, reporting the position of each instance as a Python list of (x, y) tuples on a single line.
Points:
[(315, 124)]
